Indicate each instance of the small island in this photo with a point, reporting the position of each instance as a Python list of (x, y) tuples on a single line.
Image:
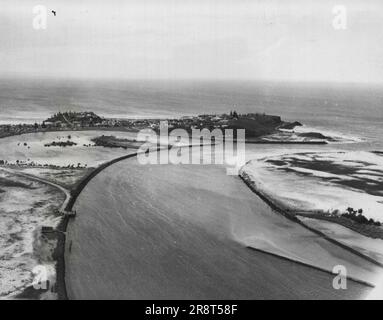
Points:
[(64, 144), (114, 142)]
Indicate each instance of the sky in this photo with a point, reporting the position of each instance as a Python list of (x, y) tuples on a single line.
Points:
[(283, 40)]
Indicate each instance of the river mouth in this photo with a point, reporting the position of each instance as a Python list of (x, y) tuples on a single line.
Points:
[(181, 232)]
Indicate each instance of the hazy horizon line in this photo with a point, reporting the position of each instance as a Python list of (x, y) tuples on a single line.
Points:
[(191, 80)]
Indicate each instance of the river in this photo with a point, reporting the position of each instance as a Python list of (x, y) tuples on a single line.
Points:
[(180, 232)]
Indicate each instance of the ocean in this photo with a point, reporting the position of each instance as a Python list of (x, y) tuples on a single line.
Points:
[(351, 110)]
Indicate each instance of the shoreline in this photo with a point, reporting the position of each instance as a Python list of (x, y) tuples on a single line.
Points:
[(62, 227), (286, 142), (285, 212), (60, 268), (68, 205), (344, 222), (40, 244), (122, 129), (58, 234), (324, 185)]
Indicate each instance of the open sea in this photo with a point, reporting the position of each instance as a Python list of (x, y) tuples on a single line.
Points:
[(351, 110)]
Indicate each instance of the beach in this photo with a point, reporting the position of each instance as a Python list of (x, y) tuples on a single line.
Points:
[(27, 204), (35, 189)]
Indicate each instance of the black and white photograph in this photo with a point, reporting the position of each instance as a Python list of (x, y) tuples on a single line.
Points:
[(191, 150)]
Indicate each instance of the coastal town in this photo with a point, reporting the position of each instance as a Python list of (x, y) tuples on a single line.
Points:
[(255, 124)]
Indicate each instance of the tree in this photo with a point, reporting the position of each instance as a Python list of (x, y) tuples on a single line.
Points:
[(351, 211)]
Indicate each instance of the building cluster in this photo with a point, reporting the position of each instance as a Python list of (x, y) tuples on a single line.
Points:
[(83, 120)]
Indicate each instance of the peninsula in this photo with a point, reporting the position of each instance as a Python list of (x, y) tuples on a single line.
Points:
[(259, 127)]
